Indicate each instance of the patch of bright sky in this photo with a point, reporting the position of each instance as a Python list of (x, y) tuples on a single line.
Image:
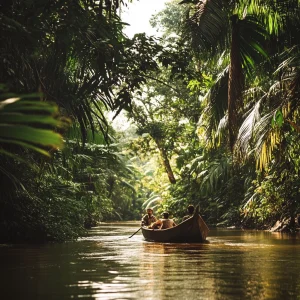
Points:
[(138, 14)]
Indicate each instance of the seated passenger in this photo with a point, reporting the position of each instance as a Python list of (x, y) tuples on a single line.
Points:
[(155, 225), (166, 222), (190, 210)]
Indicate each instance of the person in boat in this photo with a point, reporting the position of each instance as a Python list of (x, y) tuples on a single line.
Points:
[(190, 210), (149, 218), (166, 222), (155, 225)]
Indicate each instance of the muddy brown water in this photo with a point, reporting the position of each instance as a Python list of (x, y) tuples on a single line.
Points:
[(106, 264)]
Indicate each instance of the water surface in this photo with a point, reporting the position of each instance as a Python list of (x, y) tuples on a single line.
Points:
[(106, 264)]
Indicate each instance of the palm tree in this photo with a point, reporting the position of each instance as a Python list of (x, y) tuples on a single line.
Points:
[(216, 28), (273, 102)]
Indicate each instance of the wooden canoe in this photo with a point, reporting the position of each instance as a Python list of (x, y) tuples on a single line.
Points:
[(192, 230)]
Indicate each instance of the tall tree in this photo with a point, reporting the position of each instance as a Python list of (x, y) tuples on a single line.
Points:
[(214, 27)]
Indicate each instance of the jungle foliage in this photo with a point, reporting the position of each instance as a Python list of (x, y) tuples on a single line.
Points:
[(63, 65), (240, 72), (213, 104)]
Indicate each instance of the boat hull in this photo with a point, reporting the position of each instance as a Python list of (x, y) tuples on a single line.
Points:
[(192, 230)]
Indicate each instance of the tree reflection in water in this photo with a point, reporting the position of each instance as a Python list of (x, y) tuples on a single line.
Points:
[(235, 264)]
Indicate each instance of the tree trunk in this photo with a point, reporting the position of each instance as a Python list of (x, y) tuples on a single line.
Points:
[(165, 161)]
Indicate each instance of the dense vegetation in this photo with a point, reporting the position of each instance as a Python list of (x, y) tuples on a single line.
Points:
[(242, 63), (213, 106)]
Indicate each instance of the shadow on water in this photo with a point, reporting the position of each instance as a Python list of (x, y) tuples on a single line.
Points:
[(106, 264)]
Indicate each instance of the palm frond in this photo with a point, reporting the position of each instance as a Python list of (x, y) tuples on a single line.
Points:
[(216, 101), (290, 67), (268, 12), (218, 171), (222, 129), (246, 130), (252, 43), (267, 140), (206, 25), (152, 200), (22, 121)]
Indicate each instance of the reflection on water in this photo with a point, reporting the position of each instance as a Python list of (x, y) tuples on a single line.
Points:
[(108, 265)]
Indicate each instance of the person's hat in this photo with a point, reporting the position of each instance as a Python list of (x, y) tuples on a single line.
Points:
[(149, 208), (165, 212)]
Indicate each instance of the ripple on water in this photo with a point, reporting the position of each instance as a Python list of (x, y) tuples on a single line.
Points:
[(108, 265)]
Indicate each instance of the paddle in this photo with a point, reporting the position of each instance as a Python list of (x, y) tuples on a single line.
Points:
[(136, 232)]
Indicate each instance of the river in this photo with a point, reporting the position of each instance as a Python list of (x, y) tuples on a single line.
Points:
[(106, 264)]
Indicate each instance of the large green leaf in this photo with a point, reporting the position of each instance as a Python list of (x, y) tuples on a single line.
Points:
[(17, 118), (30, 134), (27, 123)]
